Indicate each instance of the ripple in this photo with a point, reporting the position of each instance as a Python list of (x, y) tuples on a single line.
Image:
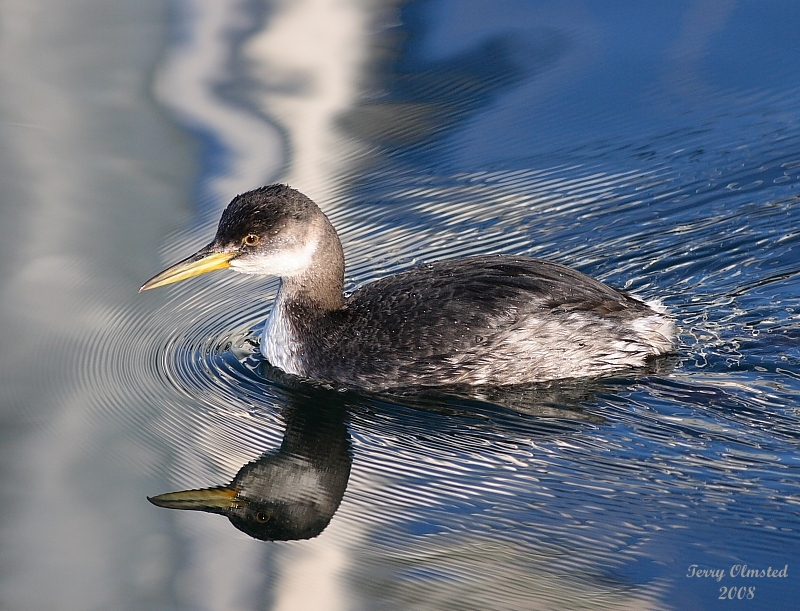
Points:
[(578, 481), (200, 342)]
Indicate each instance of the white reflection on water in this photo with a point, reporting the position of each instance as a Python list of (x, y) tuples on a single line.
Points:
[(88, 196), (311, 60), (305, 63), (244, 149)]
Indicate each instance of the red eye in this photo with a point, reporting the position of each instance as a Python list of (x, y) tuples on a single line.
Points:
[(250, 240)]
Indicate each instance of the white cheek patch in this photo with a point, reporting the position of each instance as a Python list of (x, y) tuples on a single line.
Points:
[(287, 261)]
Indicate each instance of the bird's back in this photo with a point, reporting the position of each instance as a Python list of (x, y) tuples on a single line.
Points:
[(492, 320)]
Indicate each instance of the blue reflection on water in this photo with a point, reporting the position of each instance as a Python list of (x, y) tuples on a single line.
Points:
[(647, 145)]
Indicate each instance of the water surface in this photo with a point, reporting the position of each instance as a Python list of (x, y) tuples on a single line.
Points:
[(655, 148)]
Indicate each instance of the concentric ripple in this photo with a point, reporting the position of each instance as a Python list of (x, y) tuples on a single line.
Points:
[(602, 481)]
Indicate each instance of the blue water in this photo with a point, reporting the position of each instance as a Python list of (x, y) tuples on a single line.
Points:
[(655, 147)]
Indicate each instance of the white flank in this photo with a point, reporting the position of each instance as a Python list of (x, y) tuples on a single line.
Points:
[(656, 331)]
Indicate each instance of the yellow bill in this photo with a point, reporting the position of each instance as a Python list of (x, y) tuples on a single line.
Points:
[(198, 263), (215, 500)]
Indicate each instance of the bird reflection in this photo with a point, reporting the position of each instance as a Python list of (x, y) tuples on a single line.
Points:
[(292, 493)]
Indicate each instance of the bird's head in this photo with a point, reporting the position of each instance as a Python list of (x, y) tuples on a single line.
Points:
[(274, 230), (268, 520)]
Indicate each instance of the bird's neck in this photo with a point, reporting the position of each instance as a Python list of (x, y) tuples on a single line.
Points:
[(303, 297), (320, 286)]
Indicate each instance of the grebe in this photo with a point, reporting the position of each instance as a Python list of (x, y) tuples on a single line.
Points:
[(478, 321)]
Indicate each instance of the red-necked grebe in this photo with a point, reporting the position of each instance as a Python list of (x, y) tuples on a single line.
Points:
[(486, 320)]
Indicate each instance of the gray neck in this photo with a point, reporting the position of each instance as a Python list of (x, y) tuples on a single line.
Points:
[(316, 289), (320, 285)]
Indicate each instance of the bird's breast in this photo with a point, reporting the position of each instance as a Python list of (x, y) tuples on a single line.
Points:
[(280, 344)]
